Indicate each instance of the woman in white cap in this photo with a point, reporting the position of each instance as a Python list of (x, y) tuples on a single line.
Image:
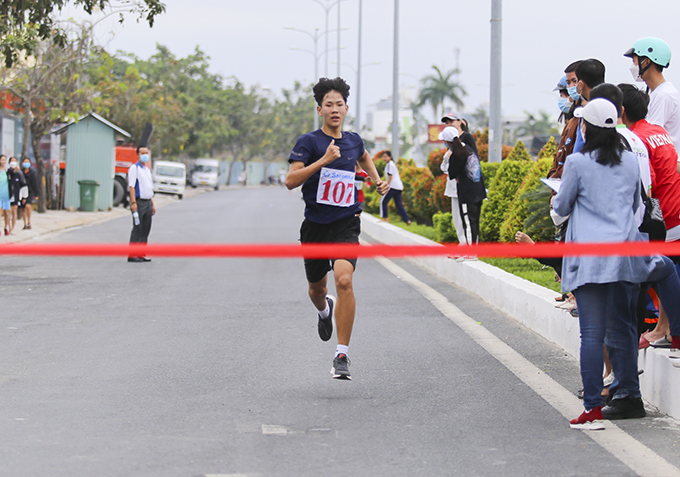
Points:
[(600, 190), (465, 174)]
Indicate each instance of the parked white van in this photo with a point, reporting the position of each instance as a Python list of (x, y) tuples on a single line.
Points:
[(206, 172), (169, 177)]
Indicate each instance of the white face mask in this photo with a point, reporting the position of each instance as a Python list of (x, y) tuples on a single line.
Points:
[(557, 219), (635, 72)]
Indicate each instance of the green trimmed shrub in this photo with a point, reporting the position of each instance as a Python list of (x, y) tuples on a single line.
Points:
[(489, 170), (443, 227), (502, 190), (437, 199), (518, 212), (538, 224)]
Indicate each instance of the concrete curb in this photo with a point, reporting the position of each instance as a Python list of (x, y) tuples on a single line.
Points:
[(534, 307)]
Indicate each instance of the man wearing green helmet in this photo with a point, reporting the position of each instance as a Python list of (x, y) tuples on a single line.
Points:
[(650, 56)]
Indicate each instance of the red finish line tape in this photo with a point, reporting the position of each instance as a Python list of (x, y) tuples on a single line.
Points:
[(538, 250)]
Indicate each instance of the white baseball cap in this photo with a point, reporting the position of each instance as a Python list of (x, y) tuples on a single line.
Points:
[(448, 134), (598, 112)]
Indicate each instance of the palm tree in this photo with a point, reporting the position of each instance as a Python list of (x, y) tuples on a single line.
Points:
[(438, 87), (536, 125)]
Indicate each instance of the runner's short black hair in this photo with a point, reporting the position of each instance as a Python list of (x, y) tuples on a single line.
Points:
[(611, 93), (326, 85), (635, 102)]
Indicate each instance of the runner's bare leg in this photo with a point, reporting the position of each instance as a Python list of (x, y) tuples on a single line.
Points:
[(346, 306)]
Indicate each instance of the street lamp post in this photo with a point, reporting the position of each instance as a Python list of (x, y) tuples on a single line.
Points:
[(327, 5), (358, 108), (495, 123), (395, 86), (357, 72)]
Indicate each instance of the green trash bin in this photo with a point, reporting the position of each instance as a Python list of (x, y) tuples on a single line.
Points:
[(89, 192)]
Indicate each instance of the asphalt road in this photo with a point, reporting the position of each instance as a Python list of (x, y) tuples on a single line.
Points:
[(193, 367)]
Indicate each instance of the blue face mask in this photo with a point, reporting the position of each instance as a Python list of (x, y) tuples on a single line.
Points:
[(573, 93), (143, 158), (564, 104)]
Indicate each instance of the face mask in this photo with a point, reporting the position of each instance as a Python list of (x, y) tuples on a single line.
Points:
[(635, 72), (564, 104), (143, 158), (27, 165), (557, 219), (13, 165), (573, 93)]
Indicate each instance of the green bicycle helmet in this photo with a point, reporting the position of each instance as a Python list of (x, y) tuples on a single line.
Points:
[(655, 49)]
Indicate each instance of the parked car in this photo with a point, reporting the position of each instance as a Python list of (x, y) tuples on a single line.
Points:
[(206, 172), (169, 177)]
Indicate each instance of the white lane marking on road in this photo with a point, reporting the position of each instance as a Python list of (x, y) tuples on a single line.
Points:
[(269, 429), (640, 458)]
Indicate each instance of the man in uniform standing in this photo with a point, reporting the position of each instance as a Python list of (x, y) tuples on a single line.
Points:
[(140, 184), (323, 163)]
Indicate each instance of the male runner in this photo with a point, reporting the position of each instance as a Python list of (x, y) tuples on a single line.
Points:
[(323, 163)]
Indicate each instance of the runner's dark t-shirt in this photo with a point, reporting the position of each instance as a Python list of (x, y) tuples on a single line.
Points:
[(310, 148)]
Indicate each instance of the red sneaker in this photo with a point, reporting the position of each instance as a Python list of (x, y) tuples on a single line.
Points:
[(589, 420)]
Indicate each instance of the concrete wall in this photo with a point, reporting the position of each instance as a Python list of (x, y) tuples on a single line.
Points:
[(534, 307)]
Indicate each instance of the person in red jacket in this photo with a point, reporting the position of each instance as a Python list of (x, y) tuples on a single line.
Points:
[(663, 160)]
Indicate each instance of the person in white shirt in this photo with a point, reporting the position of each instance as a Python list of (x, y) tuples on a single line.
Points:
[(396, 188), (650, 56), (140, 183)]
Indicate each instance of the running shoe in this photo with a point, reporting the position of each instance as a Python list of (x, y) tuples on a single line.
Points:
[(325, 325), (340, 369), (589, 420)]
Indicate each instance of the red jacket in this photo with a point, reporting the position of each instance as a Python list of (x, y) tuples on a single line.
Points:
[(663, 162)]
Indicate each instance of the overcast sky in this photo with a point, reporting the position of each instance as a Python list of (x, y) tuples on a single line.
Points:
[(247, 39)]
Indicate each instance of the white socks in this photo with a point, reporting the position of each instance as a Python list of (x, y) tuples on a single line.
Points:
[(326, 312), (341, 349)]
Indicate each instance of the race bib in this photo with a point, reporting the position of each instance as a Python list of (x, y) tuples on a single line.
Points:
[(336, 188)]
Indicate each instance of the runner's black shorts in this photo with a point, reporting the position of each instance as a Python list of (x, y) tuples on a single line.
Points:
[(343, 231)]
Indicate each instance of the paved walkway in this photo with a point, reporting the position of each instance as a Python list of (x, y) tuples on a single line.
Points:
[(59, 220)]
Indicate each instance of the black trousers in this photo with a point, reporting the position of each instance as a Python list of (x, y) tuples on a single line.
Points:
[(140, 233), (470, 212)]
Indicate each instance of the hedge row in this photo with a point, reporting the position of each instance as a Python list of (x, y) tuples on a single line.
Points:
[(516, 198)]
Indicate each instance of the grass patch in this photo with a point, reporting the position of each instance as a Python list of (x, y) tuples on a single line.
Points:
[(422, 230), (526, 268)]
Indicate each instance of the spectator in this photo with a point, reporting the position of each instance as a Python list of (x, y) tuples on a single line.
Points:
[(396, 188), (650, 56), (463, 167), (568, 136), (17, 189), (600, 191), (663, 159), (564, 101), (456, 120), (589, 73), (5, 203), (361, 177), (32, 183)]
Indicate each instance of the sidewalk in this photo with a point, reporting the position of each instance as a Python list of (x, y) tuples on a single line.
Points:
[(55, 221), (534, 307)]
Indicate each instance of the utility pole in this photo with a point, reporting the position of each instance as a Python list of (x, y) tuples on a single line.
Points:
[(495, 121), (339, 39), (395, 86), (358, 97)]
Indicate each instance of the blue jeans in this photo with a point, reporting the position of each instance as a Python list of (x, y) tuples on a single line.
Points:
[(668, 285), (607, 314), (396, 195)]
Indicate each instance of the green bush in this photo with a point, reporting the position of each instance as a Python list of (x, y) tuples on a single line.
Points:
[(538, 224), (489, 170), (437, 199), (518, 212), (501, 192), (434, 161), (443, 228)]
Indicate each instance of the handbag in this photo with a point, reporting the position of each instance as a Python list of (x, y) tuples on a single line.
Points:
[(652, 223)]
